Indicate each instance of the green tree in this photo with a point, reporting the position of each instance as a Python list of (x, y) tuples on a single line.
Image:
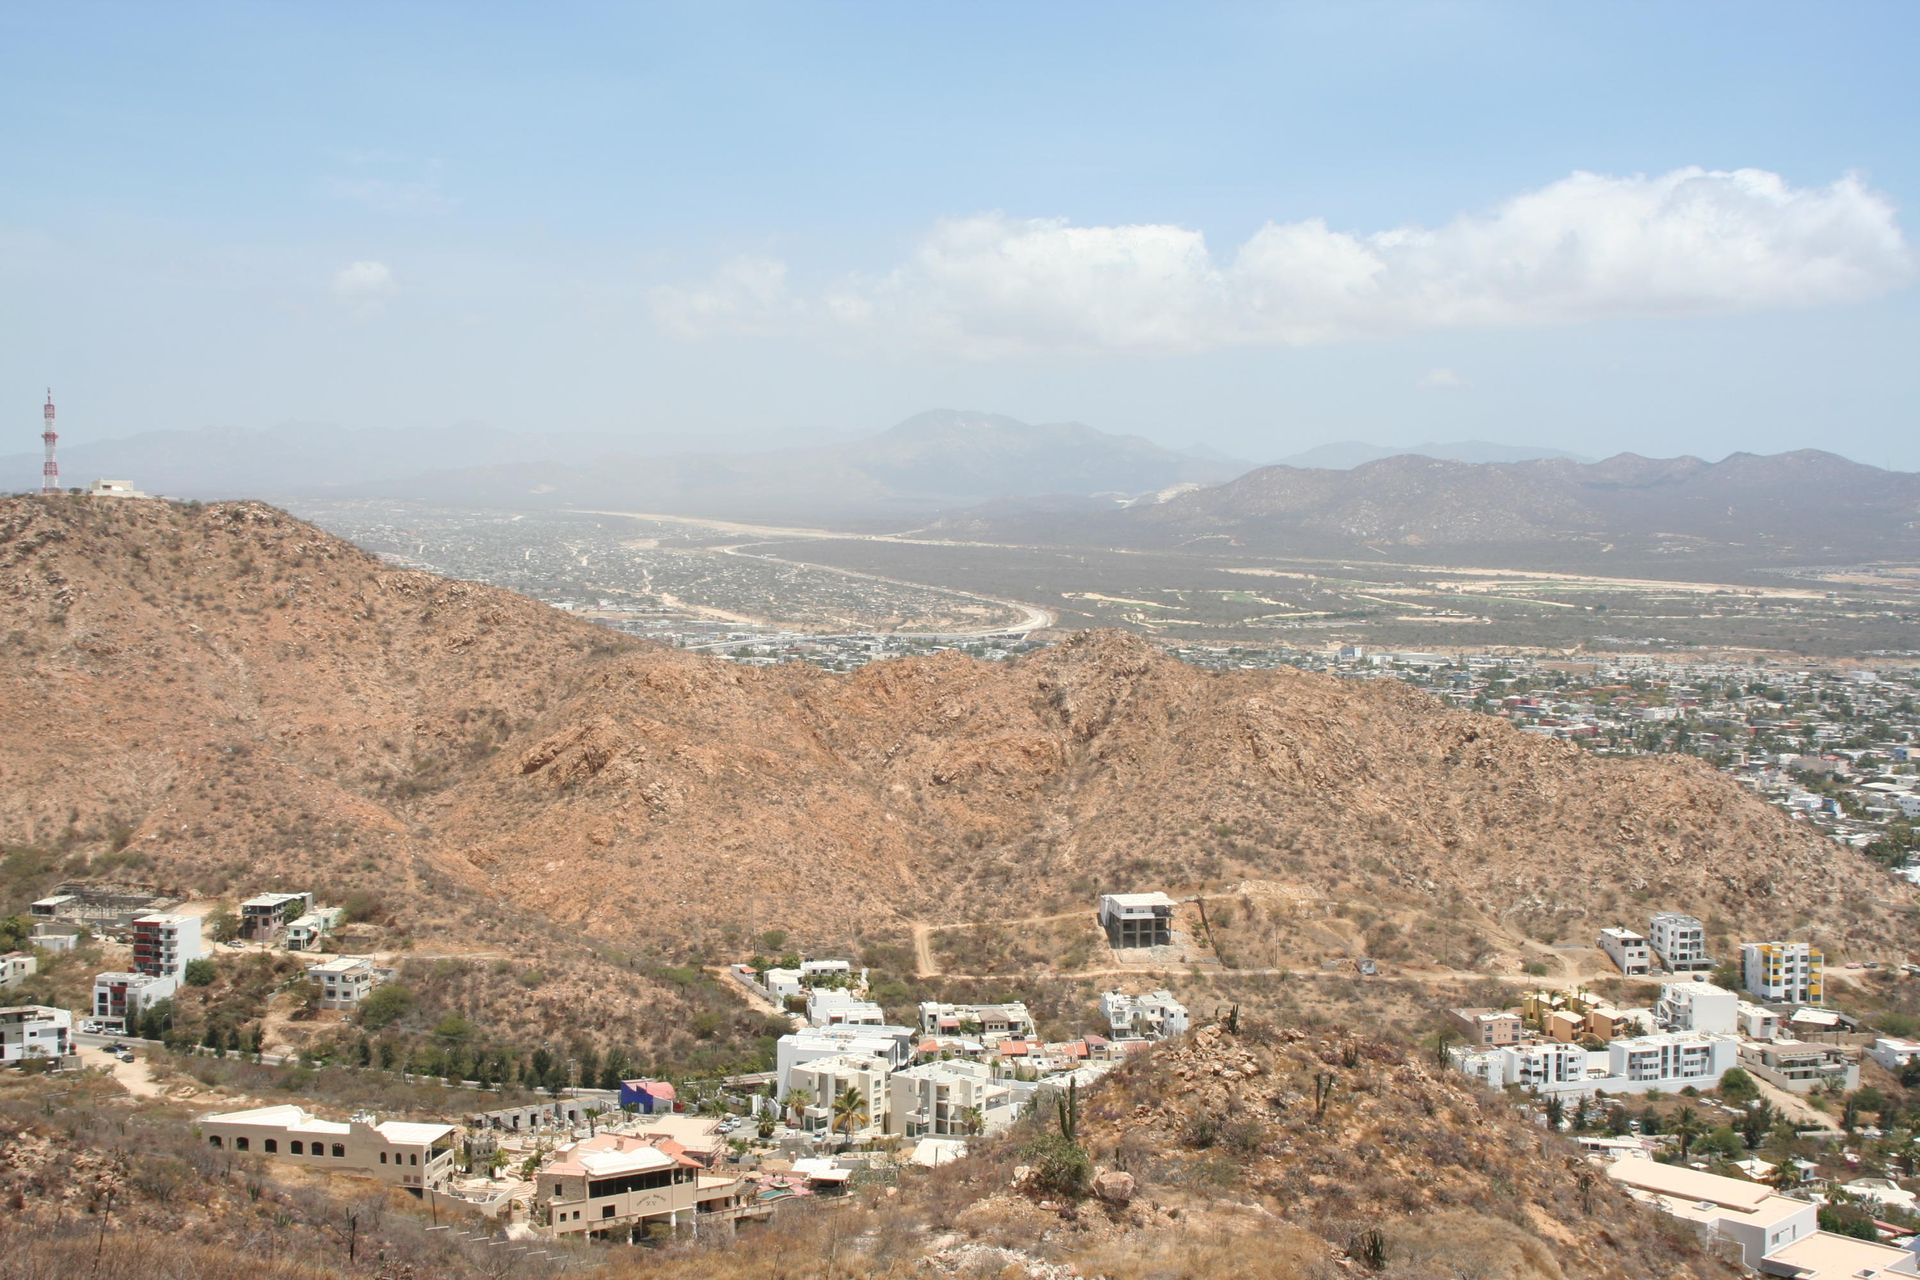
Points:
[(222, 925), (199, 973), (1737, 1086), (385, 1005)]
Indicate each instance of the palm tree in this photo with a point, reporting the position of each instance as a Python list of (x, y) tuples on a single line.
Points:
[(1786, 1175), (798, 1100), (849, 1111), (1686, 1127), (974, 1120)]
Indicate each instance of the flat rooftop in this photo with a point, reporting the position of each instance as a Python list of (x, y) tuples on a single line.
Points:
[(1826, 1256)]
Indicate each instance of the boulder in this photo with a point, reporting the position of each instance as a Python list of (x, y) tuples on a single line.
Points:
[(1113, 1186)]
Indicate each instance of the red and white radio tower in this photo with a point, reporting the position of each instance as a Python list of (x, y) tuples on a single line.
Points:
[(50, 469)]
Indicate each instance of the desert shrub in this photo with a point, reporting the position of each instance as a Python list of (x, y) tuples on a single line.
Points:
[(1060, 1165), (386, 1005)]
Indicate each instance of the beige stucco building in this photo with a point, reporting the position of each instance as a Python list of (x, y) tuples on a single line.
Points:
[(413, 1156)]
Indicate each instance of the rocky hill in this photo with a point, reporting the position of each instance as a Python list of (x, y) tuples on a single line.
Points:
[(1806, 507), (225, 699)]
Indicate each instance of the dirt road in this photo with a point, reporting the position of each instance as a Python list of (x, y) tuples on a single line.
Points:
[(131, 1076)]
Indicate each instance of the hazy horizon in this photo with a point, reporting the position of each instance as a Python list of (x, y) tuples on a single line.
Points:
[(1253, 232)]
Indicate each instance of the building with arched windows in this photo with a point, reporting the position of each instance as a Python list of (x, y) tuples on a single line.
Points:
[(412, 1156)]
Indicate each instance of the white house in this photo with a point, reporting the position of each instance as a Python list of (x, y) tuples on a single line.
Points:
[(782, 984), (836, 1006), (1154, 1016), (344, 981), (123, 997), (1009, 1019), (1627, 950), (1757, 1022), (16, 967), (35, 1033), (1667, 1060), (1137, 919), (1698, 1006), (1893, 1052)]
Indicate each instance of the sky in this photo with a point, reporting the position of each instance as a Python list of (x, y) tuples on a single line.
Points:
[(1253, 228)]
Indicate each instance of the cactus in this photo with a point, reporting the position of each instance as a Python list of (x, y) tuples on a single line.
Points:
[(1069, 1108), (1322, 1092)]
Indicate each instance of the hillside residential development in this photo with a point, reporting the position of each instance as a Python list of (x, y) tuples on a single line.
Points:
[(412, 1156)]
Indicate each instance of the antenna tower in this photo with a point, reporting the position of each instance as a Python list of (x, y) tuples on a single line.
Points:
[(50, 469)]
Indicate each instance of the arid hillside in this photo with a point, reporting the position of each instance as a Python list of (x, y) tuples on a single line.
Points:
[(218, 697), (1256, 1152)]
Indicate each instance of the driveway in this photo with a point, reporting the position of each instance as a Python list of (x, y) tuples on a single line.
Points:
[(131, 1076)]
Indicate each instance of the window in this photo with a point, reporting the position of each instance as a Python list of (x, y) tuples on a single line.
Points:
[(606, 1211), (383, 1157), (213, 1140), (339, 1151), (413, 1157), (296, 1148), (273, 1144), (240, 1144)]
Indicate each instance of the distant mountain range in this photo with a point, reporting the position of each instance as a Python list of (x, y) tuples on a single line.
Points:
[(927, 463), (1345, 454), (1803, 507)]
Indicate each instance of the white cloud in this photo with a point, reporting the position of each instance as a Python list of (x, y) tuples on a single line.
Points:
[(1584, 248), (363, 283), (1441, 380), (746, 296)]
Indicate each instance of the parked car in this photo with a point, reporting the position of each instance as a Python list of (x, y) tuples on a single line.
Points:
[(92, 1027)]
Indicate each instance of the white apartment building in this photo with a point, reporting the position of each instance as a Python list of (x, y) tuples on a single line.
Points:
[(824, 1079), (889, 1044), (945, 1100), (1784, 972), (1010, 1019), (1679, 942), (1698, 1006), (344, 981), (163, 943), (1627, 950), (35, 1033), (1154, 1016), (411, 1156), (1668, 1060)]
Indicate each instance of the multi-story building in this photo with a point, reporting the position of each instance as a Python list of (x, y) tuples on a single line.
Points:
[(1669, 1060), (1627, 950), (1679, 942), (1154, 1016), (162, 944), (1010, 1019), (1137, 919), (123, 997), (415, 1157), (1488, 1028), (35, 1033), (823, 1080), (1698, 1006), (892, 1045), (615, 1186), (1783, 972), (265, 915), (946, 1100), (344, 981)]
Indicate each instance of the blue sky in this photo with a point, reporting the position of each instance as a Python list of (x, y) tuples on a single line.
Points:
[(1253, 227)]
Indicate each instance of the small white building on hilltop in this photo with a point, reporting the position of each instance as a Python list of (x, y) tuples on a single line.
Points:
[(1627, 950), (1698, 1006), (35, 1033)]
